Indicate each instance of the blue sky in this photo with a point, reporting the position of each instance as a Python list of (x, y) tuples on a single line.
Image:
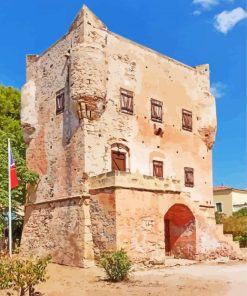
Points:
[(192, 31)]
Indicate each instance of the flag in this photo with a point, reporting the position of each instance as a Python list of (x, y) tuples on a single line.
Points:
[(13, 174)]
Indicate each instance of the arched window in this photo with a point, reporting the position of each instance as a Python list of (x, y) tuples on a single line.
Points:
[(120, 157)]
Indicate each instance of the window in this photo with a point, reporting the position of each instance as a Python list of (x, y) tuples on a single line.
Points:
[(126, 97), (156, 110), (118, 161), (187, 120), (219, 207), (60, 101), (158, 169), (189, 177)]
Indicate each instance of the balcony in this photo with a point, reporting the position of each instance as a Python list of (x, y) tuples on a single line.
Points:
[(133, 181)]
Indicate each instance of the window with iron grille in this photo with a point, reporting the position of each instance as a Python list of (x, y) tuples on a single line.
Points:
[(126, 97), (189, 177), (158, 168), (187, 120), (156, 110), (60, 101)]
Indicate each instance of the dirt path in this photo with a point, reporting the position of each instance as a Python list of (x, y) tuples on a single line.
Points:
[(210, 280), (201, 279)]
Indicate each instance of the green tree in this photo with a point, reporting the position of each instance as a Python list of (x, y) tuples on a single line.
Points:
[(10, 127)]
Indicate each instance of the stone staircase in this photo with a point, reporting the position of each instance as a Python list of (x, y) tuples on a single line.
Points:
[(217, 230), (228, 237)]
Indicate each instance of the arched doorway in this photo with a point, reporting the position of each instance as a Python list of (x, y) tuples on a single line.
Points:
[(180, 232)]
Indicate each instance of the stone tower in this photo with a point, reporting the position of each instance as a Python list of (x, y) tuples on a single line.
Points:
[(121, 137)]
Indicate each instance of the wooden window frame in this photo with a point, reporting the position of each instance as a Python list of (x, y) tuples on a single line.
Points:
[(156, 103), (188, 183), (160, 164), (184, 126), (60, 96), (130, 96)]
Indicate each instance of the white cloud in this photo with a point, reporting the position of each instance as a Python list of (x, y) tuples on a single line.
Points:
[(218, 89), (206, 4), (226, 20), (197, 12)]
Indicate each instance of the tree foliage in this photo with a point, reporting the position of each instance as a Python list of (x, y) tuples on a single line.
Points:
[(242, 212), (10, 127)]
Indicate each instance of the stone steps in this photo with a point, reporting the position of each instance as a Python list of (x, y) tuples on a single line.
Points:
[(228, 238)]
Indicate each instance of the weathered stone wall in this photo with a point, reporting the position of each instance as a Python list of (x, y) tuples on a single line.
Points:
[(53, 151), (55, 228), (103, 220), (136, 218), (92, 64), (151, 75)]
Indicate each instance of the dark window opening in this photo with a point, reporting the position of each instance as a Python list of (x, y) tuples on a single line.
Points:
[(126, 101), (118, 161), (60, 101), (219, 207), (189, 177), (187, 120), (156, 110), (158, 169)]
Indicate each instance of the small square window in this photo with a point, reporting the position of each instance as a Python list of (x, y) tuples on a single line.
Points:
[(187, 120), (126, 97), (189, 177), (156, 110), (158, 168), (60, 101), (219, 207)]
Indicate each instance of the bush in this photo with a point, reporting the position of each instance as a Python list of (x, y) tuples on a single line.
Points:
[(220, 217), (22, 274), (117, 265)]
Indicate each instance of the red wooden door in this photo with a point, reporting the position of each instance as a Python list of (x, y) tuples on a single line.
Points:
[(167, 238), (118, 161)]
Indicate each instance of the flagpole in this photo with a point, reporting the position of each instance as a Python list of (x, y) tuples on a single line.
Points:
[(10, 221)]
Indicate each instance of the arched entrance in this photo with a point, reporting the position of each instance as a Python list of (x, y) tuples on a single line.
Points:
[(180, 232)]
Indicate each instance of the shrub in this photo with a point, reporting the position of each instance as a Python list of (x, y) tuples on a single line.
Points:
[(117, 265), (219, 217), (22, 274)]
